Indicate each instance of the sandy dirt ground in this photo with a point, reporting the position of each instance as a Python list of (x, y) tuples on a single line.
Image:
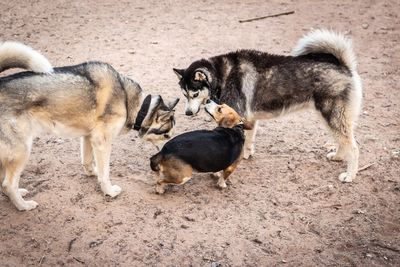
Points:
[(284, 207)]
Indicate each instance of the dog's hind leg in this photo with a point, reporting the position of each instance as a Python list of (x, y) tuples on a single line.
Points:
[(173, 171), (226, 173), (249, 141), (13, 169), (101, 143), (338, 115), (87, 156)]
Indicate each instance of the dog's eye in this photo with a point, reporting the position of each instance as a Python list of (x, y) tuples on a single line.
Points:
[(196, 95), (220, 110)]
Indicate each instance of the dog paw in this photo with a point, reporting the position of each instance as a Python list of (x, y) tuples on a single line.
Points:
[(333, 156), (221, 183), (27, 205), (344, 178), (23, 192), (247, 153), (160, 189), (114, 191)]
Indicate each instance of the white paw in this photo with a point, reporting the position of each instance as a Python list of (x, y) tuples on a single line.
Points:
[(23, 191), (27, 205), (344, 178), (114, 191), (333, 156), (221, 183), (248, 152), (160, 189)]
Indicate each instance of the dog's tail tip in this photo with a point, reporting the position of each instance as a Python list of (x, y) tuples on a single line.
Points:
[(328, 41), (155, 162), (18, 55)]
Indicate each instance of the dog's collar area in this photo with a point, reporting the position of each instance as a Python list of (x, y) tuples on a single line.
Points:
[(215, 99), (240, 125), (144, 109)]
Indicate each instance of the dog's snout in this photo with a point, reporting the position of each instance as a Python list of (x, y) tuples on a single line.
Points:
[(188, 113)]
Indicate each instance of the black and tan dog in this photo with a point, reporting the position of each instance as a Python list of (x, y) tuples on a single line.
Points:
[(203, 150), (91, 100)]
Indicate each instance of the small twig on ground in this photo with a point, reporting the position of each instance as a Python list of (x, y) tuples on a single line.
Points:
[(70, 244), (386, 247), (366, 167), (269, 16), (207, 259), (335, 206), (41, 260), (37, 183), (79, 260)]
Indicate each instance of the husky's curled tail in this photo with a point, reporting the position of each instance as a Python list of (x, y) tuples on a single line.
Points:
[(341, 47), (17, 55)]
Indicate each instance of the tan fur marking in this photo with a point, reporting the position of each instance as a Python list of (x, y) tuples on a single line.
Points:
[(225, 116), (174, 171)]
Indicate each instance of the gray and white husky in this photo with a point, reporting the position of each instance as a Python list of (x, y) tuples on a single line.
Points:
[(91, 100), (321, 74)]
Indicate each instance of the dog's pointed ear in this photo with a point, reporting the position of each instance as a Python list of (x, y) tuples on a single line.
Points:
[(179, 73), (247, 125), (160, 104), (165, 111), (161, 109), (200, 76), (172, 104)]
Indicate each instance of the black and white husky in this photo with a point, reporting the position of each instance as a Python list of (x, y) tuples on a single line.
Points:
[(321, 74)]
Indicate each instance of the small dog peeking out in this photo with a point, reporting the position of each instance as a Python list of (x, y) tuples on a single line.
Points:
[(90, 100), (202, 150)]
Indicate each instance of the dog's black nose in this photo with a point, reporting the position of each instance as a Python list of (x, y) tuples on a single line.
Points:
[(189, 113), (208, 101)]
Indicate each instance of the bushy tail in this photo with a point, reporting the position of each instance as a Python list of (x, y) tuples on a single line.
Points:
[(325, 41), (155, 161), (330, 42), (17, 55)]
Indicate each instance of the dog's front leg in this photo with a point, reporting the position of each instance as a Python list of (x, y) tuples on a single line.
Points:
[(249, 141), (102, 151), (12, 171)]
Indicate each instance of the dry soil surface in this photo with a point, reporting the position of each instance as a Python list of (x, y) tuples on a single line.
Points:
[(285, 206)]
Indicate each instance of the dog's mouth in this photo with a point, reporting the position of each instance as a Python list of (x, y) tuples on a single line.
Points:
[(209, 113)]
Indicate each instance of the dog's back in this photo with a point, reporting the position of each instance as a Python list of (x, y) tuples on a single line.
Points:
[(205, 151)]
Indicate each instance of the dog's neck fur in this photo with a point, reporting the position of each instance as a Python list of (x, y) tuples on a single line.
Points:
[(134, 101)]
